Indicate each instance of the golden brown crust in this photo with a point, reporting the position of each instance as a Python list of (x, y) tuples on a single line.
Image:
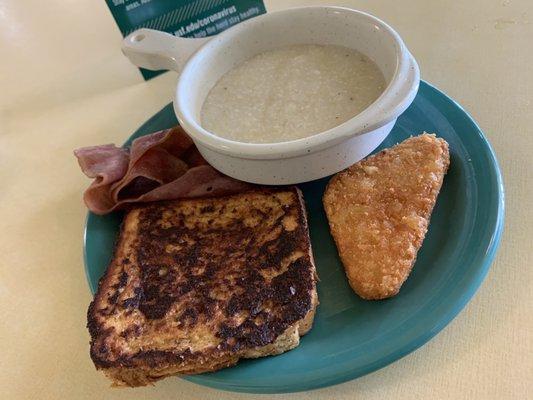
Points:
[(379, 210), (195, 285)]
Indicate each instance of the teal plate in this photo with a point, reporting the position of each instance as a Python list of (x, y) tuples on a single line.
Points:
[(350, 336)]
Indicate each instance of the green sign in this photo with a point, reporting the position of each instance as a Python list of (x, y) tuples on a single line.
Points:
[(187, 18)]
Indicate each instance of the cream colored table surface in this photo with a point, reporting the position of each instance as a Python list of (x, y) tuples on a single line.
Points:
[(64, 83)]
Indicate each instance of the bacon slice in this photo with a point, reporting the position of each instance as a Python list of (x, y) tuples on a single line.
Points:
[(161, 166)]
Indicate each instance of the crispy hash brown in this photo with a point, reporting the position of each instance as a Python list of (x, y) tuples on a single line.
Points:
[(195, 285), (379, 210)]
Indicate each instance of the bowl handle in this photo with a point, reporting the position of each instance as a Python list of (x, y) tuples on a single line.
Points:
[(156, 50)]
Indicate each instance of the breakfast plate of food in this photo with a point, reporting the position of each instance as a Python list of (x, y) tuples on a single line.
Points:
[(281, 260)]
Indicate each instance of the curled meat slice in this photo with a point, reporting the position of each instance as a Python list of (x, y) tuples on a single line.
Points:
[(161, 166)]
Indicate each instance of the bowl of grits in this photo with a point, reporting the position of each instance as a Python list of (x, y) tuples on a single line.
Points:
[(286, 97)]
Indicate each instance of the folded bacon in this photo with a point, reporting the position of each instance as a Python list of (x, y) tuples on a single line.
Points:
[(161, 166)]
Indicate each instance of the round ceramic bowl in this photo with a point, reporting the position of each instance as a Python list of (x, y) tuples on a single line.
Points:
[(202, 62)]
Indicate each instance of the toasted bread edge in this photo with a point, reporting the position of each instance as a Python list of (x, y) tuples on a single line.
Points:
[(145, 375)]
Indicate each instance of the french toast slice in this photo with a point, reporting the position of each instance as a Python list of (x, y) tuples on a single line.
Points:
[(379, 210), (195, 285)]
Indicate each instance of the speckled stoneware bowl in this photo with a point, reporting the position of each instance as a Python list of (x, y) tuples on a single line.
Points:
[(201, 62)]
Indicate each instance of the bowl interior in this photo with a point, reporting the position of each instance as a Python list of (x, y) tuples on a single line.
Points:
[(312, 25)]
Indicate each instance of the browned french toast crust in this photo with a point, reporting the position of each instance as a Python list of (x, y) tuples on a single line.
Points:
[(195, 285)]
